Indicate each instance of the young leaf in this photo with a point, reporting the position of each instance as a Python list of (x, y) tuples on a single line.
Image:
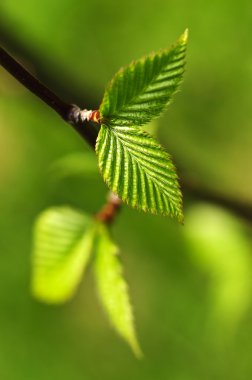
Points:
[(138, 170), (113, 290), (141, 91), (62, 244)]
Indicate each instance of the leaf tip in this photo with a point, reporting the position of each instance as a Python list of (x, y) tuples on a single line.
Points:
[(180, 215), (181, 219), (184, 37), (137, 349)]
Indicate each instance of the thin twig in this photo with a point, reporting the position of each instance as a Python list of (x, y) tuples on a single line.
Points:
[(69, 112), (48, 69)]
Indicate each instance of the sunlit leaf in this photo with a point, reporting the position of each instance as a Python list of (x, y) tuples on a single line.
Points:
[(139, 170), (62, 245), (132, 163), (113, 290), (142, 90)]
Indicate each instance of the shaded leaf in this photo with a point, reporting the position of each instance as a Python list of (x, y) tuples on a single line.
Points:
[(142, 90), (139, 170), (113, 290), (62, 245)]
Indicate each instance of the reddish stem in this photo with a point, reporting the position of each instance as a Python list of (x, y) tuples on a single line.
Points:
[(110, 210)]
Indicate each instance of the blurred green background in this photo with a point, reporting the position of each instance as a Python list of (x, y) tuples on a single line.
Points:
[(191, 285)]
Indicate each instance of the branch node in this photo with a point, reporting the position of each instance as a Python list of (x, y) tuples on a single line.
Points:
[(110, 209), (74, 115)]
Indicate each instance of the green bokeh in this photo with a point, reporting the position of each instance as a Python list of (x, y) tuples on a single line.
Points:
[(175, 288)]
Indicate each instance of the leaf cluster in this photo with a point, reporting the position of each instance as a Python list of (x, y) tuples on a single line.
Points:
[(135, 167), (131, 161), (65, 241)]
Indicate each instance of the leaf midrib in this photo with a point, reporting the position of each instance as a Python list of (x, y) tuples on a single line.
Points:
[(133, 100), (170, 196)]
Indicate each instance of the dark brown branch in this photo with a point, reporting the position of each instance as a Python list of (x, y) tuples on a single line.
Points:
[(33, 84), (69, 112), (71, 89)]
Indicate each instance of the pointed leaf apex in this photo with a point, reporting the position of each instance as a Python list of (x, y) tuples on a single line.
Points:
[(113, 289), (184, 37), (141, 91), (181, 219), (137, 350)]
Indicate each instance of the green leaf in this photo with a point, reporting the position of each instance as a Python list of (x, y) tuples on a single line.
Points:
[(142, 90), (62, 245), (139, 170), (113, 289)]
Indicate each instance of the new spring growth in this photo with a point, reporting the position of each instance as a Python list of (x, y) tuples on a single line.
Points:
[(90, 115)]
